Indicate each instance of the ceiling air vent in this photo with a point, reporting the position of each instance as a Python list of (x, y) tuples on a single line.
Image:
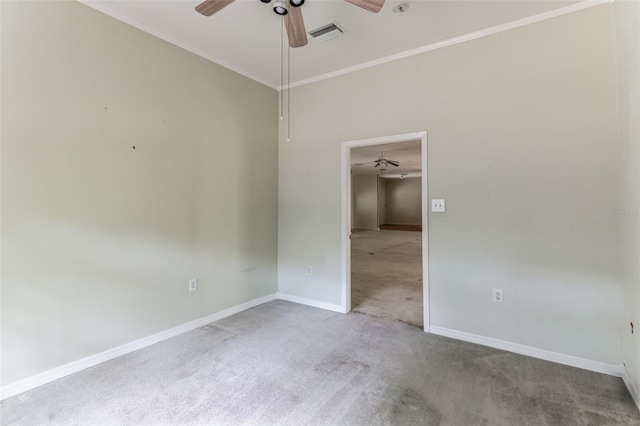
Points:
[(326, 32)]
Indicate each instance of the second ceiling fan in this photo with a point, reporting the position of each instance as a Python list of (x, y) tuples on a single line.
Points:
[(290, 10), (382, 162)]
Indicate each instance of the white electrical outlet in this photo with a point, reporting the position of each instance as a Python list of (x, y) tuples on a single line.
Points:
[(309, 270), (437, 206), (497, 295), (193, 284)]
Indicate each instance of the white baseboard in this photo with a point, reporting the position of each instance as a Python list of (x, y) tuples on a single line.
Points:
[(586, 364), (311, 302), (635, 394), (93, 360)]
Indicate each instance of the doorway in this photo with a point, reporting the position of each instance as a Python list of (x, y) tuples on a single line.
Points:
[(385, 228)]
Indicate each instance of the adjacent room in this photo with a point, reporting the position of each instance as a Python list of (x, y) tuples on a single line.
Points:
[(386, 231), (176, 211)]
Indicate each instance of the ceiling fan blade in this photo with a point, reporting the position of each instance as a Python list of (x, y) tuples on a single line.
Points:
[(377, 165), (209, 7), (393, 163), (370, 5), (295, 27)]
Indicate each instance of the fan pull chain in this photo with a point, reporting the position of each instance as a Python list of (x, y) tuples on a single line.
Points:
[(288, 92), (282, 69)]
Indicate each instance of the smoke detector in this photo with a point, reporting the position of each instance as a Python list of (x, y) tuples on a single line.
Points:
[(401, 8)]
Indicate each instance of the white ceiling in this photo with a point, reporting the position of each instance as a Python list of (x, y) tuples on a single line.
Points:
[(406, 153), (245, 36)]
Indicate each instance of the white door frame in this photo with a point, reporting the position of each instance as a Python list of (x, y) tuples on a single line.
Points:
[(346, 215)]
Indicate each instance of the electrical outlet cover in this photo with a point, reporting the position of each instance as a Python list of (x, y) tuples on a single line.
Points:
[(193, 284), (437, 206)]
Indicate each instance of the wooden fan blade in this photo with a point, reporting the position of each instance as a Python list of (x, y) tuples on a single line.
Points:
[(393, 163), (370, 5), (295, 27), (209, 7)]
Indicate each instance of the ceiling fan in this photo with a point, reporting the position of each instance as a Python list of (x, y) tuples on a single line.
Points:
[(292, 15), (381, 162)]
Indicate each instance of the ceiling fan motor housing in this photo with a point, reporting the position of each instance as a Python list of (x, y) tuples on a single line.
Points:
[(290, 10), (280, 8)]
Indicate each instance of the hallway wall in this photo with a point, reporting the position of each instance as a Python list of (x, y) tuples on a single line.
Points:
[(382, 202), (403, 201), (364, 205)]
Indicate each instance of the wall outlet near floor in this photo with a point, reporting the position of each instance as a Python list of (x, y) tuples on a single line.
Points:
[(309, 270), (497, 295), (193, 284)]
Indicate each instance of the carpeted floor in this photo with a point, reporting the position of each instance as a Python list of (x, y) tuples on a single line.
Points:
[(386, 275), (288, 364)]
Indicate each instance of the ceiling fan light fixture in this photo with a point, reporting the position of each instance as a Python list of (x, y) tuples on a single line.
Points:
[(280, 8), (296, 3)]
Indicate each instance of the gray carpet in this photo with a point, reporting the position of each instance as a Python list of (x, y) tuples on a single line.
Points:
[(386, 275), (288, 364)]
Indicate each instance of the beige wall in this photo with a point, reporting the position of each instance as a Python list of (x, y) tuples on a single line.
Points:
[(403, 201), (628, 43), (382, 202), (364, 204), (98, 239), (522, 143)]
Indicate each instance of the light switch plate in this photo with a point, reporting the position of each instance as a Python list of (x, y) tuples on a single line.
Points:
[(437, 206)]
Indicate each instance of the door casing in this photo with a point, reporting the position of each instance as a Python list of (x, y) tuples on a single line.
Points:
[(346, 215)]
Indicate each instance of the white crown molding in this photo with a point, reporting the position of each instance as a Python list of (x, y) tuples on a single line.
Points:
[(101, 8), (635, 394), (432, 46), (573, 361), (311, 302), (455, 40), (93, 360)]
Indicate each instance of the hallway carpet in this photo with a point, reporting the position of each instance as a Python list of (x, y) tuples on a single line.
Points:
[(287, 364), (386, 275)]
